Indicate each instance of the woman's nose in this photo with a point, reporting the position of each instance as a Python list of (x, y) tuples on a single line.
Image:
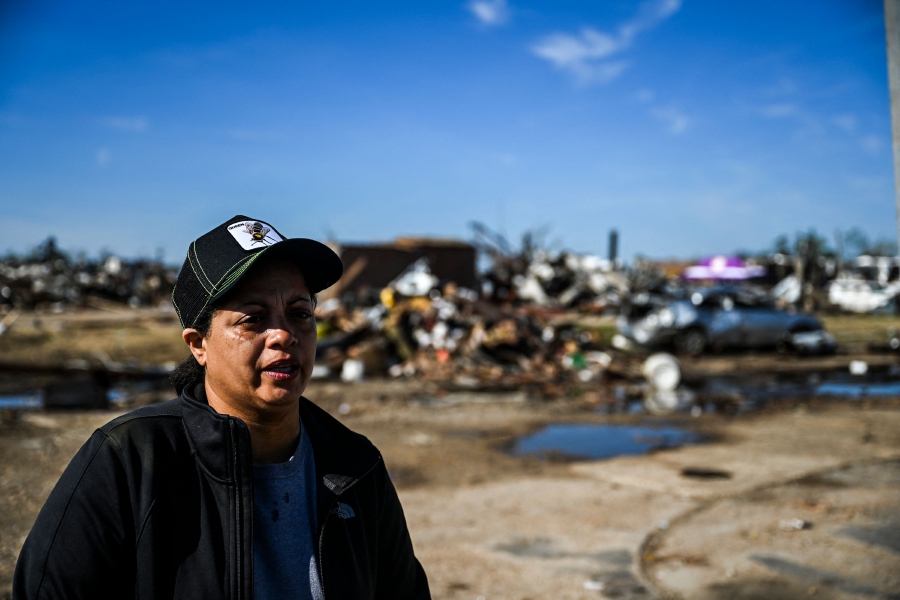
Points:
[(281, 335)]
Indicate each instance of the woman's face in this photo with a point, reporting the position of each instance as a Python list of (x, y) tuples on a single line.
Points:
[(260, 349)]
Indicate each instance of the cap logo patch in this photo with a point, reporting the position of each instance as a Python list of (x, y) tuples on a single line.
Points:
[(253, 235)]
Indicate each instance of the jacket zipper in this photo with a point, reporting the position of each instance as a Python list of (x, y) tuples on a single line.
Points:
[(321, 543), (322, 529), (238, 513)]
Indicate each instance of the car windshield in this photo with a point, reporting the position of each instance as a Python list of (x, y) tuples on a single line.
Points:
[(728, 299)]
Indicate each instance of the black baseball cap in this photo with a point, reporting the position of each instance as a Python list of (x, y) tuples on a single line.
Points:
[(218, 259)]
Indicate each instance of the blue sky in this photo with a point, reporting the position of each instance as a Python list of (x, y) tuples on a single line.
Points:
[(693, 127)]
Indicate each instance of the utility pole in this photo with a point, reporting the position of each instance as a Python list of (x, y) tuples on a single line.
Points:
[(892, 34), (613, 247)]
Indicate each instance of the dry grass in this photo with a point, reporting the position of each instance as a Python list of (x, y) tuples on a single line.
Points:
[(850, 329), (139, 336), (153, 337)]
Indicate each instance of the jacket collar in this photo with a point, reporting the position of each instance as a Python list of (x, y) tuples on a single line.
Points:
[(210, 433), (341, 456)]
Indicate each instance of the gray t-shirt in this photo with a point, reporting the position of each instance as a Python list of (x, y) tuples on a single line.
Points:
[(284, 528)]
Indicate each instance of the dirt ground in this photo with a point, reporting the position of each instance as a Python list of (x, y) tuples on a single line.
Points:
[(488, 524), (797, 501)]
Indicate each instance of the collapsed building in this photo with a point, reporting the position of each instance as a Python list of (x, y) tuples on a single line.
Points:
[(423, 307), (369, 268), (514, 324), (51, 277)]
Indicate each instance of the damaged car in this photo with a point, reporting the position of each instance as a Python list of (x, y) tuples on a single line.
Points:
[(721, 318)]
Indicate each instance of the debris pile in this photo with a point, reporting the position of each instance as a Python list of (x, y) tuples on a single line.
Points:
[(534, 275), (528, 318), (520, 330), (452, 335), (51, 277)]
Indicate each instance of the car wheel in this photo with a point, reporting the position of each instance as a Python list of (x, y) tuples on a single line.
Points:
[(821, 345), (691, 342)]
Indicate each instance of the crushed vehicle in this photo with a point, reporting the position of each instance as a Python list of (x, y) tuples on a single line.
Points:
[(862, 296), (719, 318)]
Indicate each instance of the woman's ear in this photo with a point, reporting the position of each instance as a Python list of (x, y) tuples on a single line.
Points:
[(195, 342)]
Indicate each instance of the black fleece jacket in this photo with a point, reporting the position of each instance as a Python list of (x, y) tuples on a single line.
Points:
[(159, 504)]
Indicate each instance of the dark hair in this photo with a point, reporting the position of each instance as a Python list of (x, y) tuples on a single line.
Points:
[(189, 372)]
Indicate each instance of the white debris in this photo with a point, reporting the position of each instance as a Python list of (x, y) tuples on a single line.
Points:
[(662, 371), (794, 525), (352, 370), (861, 296), (320, 372), (417, 280), (859, 367), (788, 290), (420, 439)]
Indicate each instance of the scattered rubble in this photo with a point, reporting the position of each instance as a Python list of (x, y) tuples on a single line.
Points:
[(520, 329), (530, 319), (49, 277), (862, 296), (794, 525)]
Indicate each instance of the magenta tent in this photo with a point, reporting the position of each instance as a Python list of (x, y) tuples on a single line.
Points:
[(727, 268)]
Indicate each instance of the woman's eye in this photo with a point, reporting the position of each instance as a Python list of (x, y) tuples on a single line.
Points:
[(251, 319)]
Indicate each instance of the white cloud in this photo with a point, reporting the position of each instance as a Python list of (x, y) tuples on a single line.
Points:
[(253, 135), (103, 157), (133, 124), (676, 121), (847, 122), (645, 96), (872, 144), (650, 14), (587, 55), (812, 126), (490, 12), (779, 111)]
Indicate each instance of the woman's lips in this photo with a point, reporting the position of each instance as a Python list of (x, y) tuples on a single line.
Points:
[(282, 372)]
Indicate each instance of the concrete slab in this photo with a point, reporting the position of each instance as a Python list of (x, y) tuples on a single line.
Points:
[(537, 538)]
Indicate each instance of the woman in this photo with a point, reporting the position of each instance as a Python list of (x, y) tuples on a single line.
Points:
[(240, 487)]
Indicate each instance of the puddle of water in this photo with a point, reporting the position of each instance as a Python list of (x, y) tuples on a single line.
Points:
[(780, 390), (79, 392), (21, 402), (593, 442), (858, 390), (735, 395)]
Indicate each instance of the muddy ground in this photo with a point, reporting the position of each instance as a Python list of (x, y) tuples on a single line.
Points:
[(488, 524), (800, 499)]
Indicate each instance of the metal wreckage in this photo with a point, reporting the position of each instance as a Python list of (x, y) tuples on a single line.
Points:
[(528, 319), (49, 277)]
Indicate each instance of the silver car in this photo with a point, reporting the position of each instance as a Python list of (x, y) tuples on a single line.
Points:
[(725, 317)]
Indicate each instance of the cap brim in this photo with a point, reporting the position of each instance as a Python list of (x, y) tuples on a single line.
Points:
[(321, 266)]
